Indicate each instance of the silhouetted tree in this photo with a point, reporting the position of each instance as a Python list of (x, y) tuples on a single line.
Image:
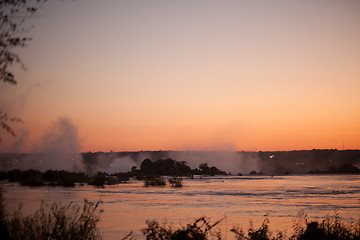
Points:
[(204, 167), (146, 166)]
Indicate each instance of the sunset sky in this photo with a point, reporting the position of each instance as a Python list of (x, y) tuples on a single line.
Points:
[(191, 75)]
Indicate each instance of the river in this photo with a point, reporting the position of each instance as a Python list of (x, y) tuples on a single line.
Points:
[(237, 199)]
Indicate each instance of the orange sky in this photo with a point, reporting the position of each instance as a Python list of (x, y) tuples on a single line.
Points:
[(185, 75)]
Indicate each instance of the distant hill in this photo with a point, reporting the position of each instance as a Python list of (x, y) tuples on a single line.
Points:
[(346, 168)]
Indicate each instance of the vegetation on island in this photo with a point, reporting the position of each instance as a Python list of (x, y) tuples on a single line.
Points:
[(151, 172), (170, 167), (154, 181), (175, 182), (62, 178)]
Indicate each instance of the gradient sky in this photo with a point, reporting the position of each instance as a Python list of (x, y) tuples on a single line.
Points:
[(192, 75)]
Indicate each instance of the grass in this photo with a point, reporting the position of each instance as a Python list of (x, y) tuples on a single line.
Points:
[(261, 233), (200, 229), (57, 221), (331, 228)]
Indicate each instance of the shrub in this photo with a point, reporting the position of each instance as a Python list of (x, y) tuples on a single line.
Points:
[(122, 177), (57, 222), (175, 182), (14, 175), (99, 179), (262, 233), (332, 228), (200, 229), (3, 175), (32, 178), (152, 181), (64, 178)]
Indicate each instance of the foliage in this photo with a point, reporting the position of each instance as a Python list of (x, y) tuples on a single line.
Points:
[(3, 175), (3, 218), (55, 222), (122, 177), (14, 175), (99, 179), (52, 177), (32, 178), (13, 14), (262, 233), (154, 181), (5, 120), (102, 178), (200, 229), (170, 167), (64, 178), (204, 169), (331, 228), (163, 167), (175, 182)]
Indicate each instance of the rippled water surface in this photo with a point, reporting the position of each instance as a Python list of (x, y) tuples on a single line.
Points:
[(238, 199)]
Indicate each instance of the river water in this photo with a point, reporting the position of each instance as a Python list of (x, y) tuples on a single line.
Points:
[(238, 200)]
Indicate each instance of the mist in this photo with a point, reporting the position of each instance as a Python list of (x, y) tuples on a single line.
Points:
[(228, 161), (59, 149), (269, 163), (109, 163)]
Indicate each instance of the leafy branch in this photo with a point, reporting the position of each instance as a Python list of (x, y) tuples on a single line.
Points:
[(13, 14)]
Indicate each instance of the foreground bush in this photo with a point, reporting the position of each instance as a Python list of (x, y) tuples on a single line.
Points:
[(57, 222), (199, 230), (261, 233), (331, 228)]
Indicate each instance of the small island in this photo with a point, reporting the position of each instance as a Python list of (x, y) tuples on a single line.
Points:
[(151, 172)]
